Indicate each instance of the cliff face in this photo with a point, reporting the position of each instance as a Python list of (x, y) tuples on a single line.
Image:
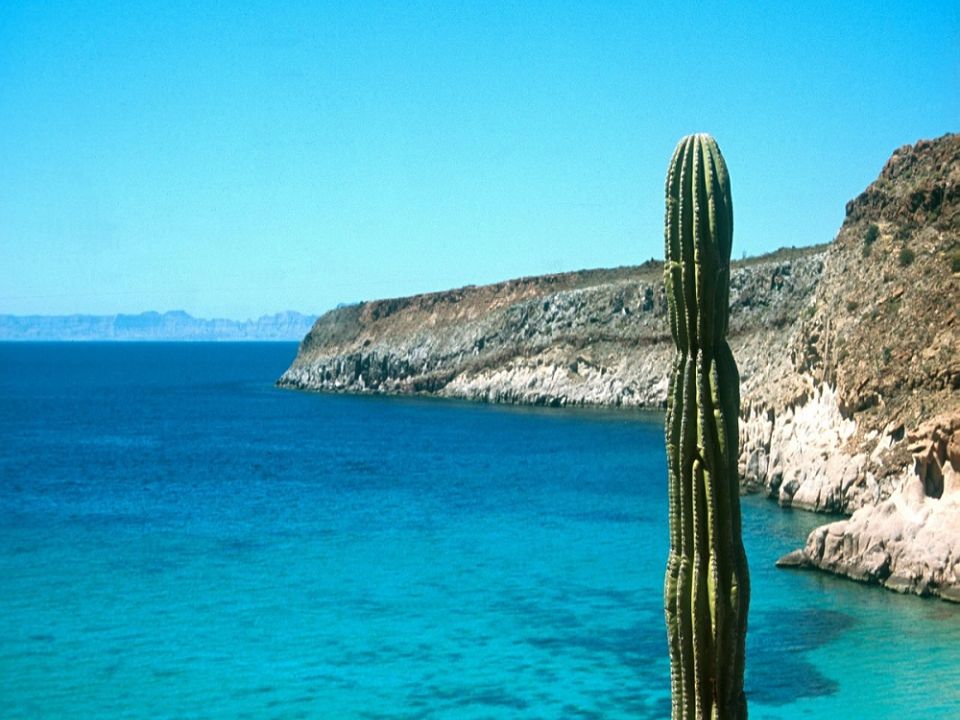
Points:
[(849, 357), (589, 338), (884, 340), (878, 351)]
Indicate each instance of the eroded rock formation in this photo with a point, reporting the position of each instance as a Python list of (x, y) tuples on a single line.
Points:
[(909, 542)]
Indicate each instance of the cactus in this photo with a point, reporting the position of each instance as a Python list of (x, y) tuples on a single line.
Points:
[(706, 590)]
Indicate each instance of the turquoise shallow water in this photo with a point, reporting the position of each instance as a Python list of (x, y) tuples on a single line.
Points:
[(179, 539)]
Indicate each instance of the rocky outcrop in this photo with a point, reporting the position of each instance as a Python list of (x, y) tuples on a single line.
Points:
[(799, 455), (909, 542), (878, 350), (883, 342)]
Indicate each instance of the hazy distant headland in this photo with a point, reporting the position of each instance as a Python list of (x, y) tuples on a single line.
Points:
[(175, 325)]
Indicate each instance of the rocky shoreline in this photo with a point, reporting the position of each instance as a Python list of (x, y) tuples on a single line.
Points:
[(849, 356), (909, 542), (596, 337)]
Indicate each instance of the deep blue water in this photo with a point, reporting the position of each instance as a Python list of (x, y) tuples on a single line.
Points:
[(180, 539)]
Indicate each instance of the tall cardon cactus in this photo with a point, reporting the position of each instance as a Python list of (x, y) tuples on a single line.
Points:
[(707, 591)]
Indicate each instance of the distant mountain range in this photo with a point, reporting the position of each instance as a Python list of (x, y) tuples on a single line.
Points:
[(174, 325)]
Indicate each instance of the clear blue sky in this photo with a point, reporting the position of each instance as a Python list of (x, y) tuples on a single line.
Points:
[(233, 162)]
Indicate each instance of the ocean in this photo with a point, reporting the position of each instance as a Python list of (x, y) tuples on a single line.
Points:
[(181, 539)]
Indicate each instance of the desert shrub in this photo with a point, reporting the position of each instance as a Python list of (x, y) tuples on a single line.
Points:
[(852, 305), (906, 256), (887, 353), (955, 262), (873, 232)]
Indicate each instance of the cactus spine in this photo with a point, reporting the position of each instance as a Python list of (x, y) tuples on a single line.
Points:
[(706, 591)]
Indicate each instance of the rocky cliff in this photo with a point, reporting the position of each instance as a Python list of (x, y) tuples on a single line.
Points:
[(878, 432), (878, 351), (849, 357), (596, 337)]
